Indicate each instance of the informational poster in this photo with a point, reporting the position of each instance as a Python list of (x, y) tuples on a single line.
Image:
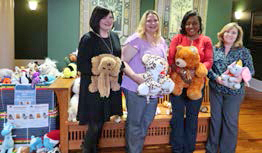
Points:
[(25, 95), (28, 116)]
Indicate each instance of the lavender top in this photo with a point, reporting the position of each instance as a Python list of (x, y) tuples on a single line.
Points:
[(143, 47)]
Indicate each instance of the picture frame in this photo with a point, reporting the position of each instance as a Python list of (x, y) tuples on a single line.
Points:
[(256, 26)]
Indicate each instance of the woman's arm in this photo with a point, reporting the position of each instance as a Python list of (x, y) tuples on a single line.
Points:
[(172, 50), (128, 52), (84, 55), (248, 61), (208, 54)]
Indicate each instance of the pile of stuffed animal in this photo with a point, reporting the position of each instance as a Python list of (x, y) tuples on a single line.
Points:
[(47, 144), (34, 73)]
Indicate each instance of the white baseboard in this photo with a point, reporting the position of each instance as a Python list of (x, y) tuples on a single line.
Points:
[(256, 84)]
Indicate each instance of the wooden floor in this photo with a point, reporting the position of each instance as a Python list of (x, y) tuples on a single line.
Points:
[(250, 132)]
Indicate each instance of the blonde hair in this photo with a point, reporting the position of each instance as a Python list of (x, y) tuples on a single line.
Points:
[(239, 39), (141, 29)]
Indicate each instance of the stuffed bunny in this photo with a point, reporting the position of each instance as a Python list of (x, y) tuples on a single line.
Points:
[(234, 74)]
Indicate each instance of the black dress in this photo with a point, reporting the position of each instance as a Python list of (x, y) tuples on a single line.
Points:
[(91, 107)]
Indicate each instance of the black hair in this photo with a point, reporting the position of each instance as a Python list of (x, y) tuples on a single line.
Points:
[(97, 14), (186, 17)]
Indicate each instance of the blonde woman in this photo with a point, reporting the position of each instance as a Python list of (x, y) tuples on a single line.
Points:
[(225, 102), (146, 40)]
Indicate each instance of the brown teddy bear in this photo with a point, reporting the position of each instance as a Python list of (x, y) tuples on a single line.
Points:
[(188, 72), (105, 69)]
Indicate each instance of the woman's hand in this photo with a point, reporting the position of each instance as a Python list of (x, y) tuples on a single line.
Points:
[(219, 80)]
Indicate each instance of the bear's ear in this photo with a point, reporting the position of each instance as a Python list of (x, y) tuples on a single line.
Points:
[(145, 58), (179, 47), (193, 49)]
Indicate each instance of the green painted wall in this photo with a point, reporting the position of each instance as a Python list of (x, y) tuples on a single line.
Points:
[(219, 13), (63, 24), (146, 5), (63, 29)]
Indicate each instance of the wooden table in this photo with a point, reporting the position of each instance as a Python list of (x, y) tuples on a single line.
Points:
[(62, 88)]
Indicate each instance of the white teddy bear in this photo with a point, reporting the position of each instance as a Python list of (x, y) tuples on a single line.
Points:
[(156, 81), (73, 105)]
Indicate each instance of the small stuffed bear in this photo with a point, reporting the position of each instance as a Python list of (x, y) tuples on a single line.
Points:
[(188, 72), (105, 69), (234, 74), (73, 105), (156, 82)]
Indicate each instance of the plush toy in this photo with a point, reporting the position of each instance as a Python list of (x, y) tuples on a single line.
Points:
[(33, 67), (6, 80), (23, 149), (156, 82), (105, 69), (8, 143), (49, 68), (35, 143), (6, 73), (72, 57), (73, 105), (35, 78), (51, 140), (46, 79), (234, 74), (70, 71), (188, 72)]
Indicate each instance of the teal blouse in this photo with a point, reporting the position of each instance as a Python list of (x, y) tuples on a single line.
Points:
[(221, 61)]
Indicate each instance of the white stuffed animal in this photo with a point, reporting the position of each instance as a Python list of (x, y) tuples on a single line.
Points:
[(5, 72), (234, 74), (49, 68), (156, 82), (73, 105)]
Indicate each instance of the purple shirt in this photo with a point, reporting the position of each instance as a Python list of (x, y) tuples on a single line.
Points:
[(143, 47)]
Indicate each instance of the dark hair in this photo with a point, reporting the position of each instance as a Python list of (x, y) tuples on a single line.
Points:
[(186, 17), (97, 14)]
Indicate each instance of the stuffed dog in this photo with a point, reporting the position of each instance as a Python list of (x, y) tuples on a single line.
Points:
[(105, 69)]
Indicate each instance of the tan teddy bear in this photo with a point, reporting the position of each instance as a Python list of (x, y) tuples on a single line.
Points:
[(105, 69), (188, 72)]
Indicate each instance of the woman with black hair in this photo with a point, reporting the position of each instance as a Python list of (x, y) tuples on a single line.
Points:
[(94, 110), (183, 134)]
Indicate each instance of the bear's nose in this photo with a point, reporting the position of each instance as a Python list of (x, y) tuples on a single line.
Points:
[(108, 64), (177, 62)]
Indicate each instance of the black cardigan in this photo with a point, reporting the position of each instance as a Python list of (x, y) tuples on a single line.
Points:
[(91, 107)]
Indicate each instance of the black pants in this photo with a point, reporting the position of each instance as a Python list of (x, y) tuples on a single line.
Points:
[(90, 143)]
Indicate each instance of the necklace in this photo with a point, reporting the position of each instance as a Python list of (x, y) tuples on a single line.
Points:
[(111, 46)]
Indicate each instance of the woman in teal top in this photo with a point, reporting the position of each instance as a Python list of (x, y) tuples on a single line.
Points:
[(225, 102)]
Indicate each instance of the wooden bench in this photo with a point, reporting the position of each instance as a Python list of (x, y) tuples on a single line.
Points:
[(113, 135)]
